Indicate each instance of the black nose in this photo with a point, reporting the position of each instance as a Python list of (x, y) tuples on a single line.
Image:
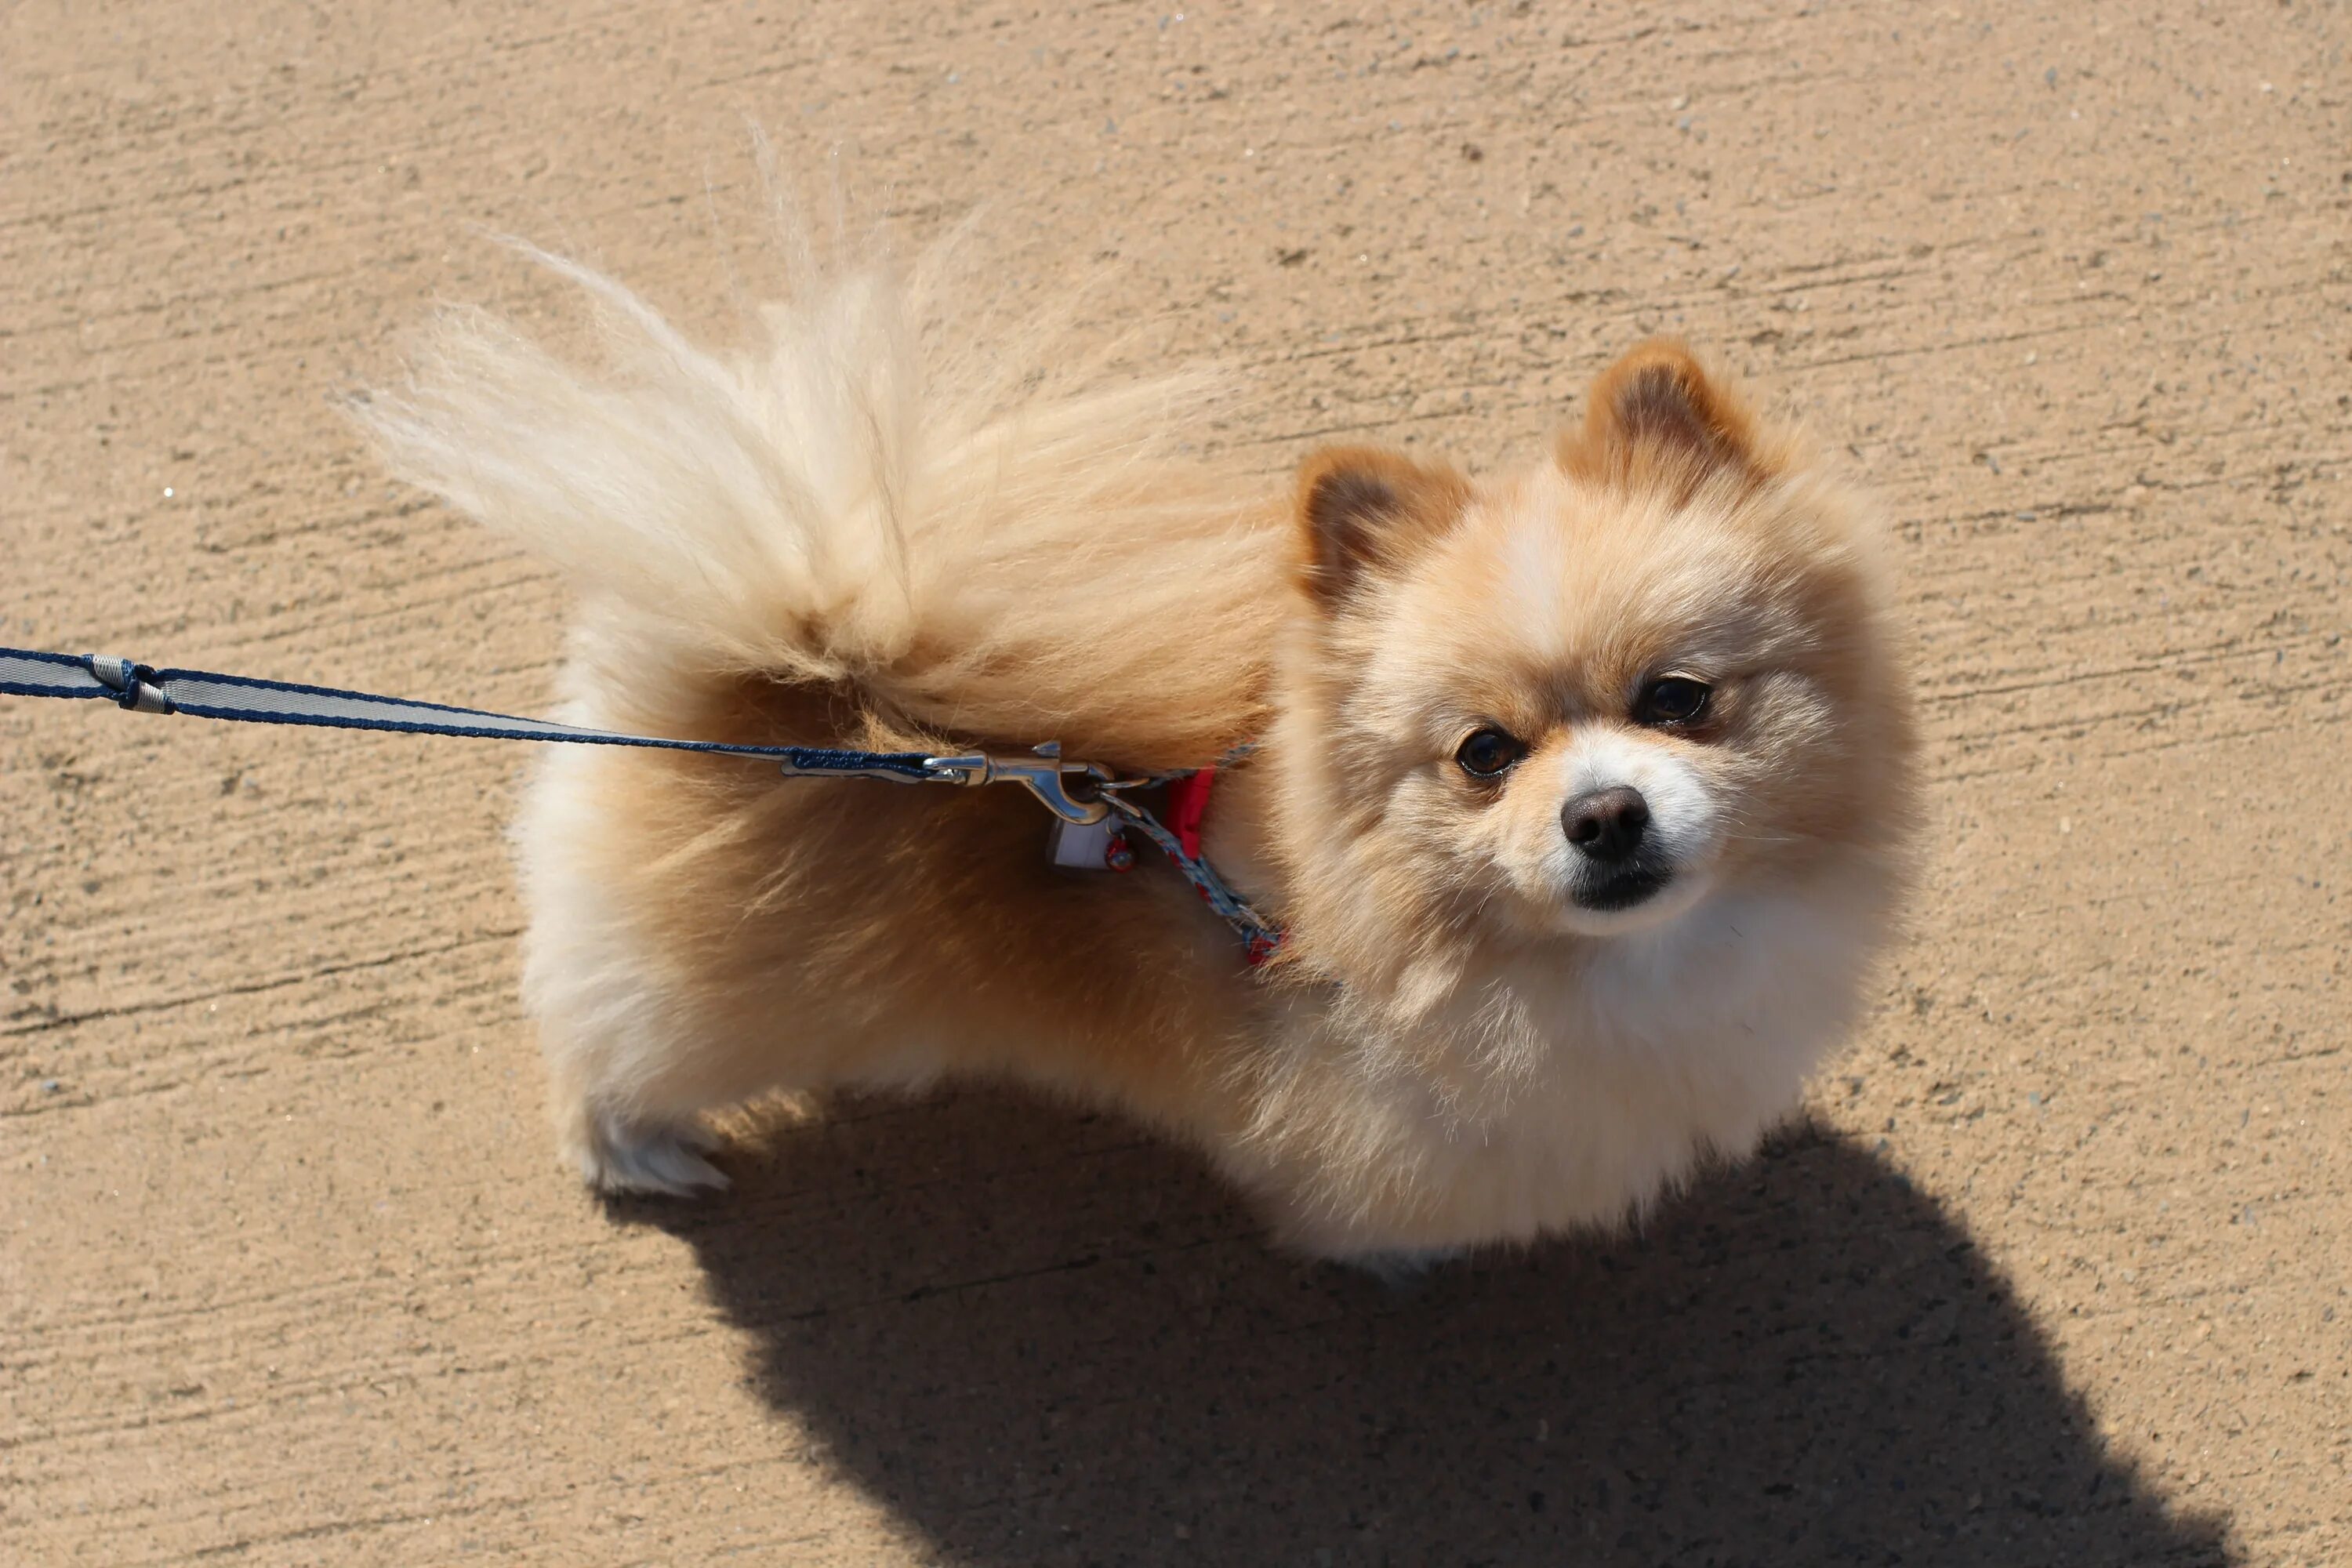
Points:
[(1608, 824)]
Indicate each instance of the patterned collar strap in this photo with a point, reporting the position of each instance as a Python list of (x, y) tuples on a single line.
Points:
[(1179, 840)]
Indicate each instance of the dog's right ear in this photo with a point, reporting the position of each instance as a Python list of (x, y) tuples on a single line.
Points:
[(1365, 511)]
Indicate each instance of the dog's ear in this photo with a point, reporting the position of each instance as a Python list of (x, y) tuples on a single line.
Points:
[(1657, 415), (1365, 510)]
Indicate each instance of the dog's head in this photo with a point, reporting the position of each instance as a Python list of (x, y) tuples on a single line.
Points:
[(1576, 700)]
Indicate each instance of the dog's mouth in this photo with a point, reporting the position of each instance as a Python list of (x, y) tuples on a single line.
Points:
[(1623, 887)]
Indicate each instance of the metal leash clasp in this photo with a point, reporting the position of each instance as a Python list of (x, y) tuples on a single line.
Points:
[(1043, 773)]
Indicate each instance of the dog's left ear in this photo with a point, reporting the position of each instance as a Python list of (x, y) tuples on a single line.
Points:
[(1366, 510), (1658, 414)]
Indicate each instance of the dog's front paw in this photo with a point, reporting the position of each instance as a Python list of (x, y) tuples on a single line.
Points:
[(639, 1157)]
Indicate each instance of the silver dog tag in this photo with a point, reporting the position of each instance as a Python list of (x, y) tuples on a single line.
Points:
[(1091, 845)]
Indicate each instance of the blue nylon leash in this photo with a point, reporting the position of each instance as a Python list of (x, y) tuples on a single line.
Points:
[(140, 689), (1098, 792)]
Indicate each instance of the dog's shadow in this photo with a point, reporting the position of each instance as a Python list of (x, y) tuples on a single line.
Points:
[(1043, 1338)]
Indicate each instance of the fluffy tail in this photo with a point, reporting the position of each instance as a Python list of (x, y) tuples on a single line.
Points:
[(970, 542)]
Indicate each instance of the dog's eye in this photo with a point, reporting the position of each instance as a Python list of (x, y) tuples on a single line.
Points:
[(1672, 699), (1488, 752)]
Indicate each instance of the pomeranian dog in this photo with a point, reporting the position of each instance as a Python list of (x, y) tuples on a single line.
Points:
[(1581, 793)]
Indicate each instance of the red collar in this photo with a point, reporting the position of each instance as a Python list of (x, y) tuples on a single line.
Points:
[(1188, 803)]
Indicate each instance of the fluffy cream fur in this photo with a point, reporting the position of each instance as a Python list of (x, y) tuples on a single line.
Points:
[(861, 531)]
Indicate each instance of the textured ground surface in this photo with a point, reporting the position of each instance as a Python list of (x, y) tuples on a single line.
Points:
[(2057, 1270)]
